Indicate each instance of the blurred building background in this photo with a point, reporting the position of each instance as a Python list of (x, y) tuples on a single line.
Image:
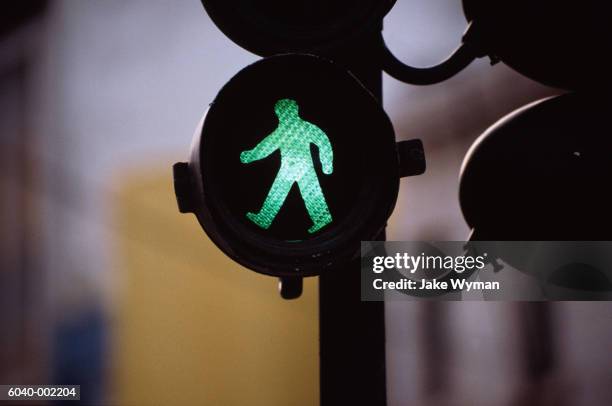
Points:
[(104, 284)]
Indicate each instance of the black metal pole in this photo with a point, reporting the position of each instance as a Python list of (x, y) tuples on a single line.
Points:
[(352, 332), (538, 348)]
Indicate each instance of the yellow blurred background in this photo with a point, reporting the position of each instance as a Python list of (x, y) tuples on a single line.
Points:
[(193, 327)]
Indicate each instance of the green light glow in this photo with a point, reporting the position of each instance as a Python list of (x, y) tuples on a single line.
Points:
[(293, 137)]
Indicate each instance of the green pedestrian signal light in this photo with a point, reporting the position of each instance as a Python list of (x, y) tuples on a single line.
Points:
[(293, 165), (292, 138)]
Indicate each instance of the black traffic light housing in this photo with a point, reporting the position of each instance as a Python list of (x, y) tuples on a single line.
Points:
[(541, 173), (360, 193), (309, 26), (558, 43), (562, 44)]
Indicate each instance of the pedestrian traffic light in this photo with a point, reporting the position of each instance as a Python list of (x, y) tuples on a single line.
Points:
[(293, 165), (557, 43), (276, 26), (540, 173)]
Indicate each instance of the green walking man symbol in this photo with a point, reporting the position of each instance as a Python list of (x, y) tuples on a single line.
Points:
[(293, 137)]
